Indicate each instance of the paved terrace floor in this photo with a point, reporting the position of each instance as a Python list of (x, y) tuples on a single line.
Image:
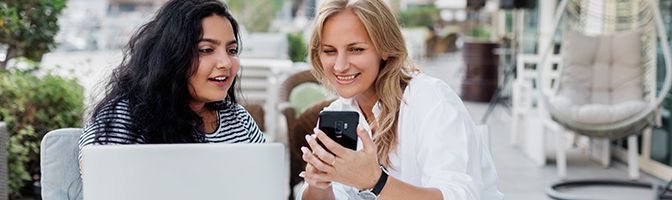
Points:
[(520, 178)]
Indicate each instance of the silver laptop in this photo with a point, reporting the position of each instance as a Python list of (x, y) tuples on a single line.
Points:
[(185, 171)]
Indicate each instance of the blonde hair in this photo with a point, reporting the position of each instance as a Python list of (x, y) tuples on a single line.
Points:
[(394, 74)]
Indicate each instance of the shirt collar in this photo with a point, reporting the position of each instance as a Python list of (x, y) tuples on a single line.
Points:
[(350, 102)]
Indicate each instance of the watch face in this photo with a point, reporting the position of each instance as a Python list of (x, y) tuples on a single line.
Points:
[(367, 195)]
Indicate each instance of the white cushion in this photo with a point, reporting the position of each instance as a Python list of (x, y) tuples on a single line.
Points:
[(579, 48), (59, 161), (595, 113), (626, 74), (601, 79)]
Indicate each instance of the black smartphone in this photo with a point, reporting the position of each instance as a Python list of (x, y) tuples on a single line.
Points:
[(340, 126)]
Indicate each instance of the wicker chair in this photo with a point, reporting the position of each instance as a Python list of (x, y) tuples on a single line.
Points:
[(299, 123), (301, 126), (606, 87)]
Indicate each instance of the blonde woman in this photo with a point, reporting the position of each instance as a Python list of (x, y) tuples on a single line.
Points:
[(417, 140)]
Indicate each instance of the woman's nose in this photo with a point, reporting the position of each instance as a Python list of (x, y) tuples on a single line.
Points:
[(223, 62), (341, 64)]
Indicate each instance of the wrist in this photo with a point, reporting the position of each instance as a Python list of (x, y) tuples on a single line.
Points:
[(320, 190), (312, 192), (374, 191), (373, 179)]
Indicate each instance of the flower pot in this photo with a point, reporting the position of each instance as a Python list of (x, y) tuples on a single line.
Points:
[(481, 78)]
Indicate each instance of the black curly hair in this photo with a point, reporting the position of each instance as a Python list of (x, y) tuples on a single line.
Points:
[(153, 77)]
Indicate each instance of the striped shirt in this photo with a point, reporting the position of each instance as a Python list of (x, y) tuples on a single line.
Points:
[(235, 125)]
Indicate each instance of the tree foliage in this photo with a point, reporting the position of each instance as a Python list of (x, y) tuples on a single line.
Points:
[(419, 16), (255, 15), (28, 27)]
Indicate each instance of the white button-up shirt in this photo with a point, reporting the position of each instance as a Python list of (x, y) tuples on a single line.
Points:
[(438, 145)]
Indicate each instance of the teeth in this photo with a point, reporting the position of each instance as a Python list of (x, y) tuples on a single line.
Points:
[(221, 78), (346, 78)]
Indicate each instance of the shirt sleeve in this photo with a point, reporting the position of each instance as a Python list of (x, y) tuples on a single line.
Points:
[(443, 151), (255, 134)]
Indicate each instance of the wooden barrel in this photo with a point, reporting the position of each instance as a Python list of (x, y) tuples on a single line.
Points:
[(481, 76)]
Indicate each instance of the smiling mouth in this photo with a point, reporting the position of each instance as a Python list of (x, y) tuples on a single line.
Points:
[(219, 78), (348, 77)]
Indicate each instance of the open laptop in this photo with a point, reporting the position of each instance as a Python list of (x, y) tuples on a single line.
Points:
[(185, 171)]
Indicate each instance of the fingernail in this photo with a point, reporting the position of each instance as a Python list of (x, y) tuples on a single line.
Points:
[(308, 137), (302, 174), (313, 135), (304, 149)]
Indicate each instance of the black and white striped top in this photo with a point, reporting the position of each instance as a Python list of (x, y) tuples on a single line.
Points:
[(235, 125)]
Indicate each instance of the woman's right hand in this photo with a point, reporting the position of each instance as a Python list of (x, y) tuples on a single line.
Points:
[(313, 176), (318, 186)]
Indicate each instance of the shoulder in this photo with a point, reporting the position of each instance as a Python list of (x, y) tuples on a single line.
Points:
[(235, 112), (239, 111), (426, 89), (113, 110), (112, 124), (237, 125)]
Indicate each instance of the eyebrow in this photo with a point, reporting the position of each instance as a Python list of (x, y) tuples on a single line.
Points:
[(354, 43), (217, 42)]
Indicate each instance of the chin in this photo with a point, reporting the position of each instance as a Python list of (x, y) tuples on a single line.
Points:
[(346, 93), (216, 99)]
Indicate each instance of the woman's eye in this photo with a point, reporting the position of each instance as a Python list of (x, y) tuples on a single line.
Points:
[(233, 51), (329, 52), (357, 50), (206, 50)]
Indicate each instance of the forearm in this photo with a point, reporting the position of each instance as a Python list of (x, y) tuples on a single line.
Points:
[(396, 189), (311, 193)]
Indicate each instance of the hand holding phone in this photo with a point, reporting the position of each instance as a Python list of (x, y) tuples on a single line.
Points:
[(340, 126)]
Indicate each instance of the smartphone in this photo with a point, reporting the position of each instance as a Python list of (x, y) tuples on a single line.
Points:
[(340, 126)]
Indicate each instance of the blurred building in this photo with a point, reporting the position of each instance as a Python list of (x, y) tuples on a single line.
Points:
[(120, 7), (102, 24)]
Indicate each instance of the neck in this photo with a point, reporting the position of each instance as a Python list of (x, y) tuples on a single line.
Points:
[(207, 116), (199, 108), (366, 101)]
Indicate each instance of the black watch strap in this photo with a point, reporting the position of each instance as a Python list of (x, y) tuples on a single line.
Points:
[(381, 182)]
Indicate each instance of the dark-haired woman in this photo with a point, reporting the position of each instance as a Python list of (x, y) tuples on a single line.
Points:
[(176, 82)]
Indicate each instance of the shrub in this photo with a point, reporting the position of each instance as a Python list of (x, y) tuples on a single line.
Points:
[(297, 47), (419, 16), (479, 33), (31, 106)]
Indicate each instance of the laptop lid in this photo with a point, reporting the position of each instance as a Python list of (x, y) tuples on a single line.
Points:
[(184, 171)]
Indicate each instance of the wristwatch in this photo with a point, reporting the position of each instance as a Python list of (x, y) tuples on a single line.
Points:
[(373, 193)]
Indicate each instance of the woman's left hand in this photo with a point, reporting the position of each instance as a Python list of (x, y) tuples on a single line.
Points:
[(359, 169)]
